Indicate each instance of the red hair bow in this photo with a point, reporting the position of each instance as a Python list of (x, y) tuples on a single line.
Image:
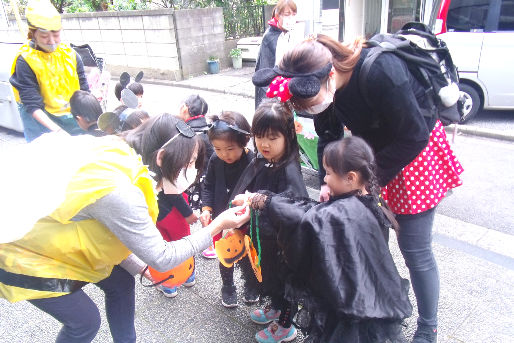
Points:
[(279, 88)]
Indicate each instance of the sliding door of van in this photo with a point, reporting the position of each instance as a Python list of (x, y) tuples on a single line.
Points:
[(496, 69)]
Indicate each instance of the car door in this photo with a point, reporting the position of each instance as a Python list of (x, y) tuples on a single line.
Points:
[(496, 69)]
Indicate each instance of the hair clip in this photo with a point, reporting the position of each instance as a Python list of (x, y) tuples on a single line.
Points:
[(223, 125)]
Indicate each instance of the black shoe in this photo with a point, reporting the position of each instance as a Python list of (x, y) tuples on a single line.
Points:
[(251, 296), (229, 296), (425, 334)]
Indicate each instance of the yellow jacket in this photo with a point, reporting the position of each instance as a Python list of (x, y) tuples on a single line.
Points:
[(56, 74), (57, 255)]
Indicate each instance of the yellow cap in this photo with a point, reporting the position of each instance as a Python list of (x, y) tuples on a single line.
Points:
[(41, 14)]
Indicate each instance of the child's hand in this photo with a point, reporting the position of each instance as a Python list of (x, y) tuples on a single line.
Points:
[(192, 218), (205, 218), (241, 199)]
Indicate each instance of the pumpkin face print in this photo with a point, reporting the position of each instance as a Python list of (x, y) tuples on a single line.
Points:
[(176, 276), (230, 248), (254, 258)]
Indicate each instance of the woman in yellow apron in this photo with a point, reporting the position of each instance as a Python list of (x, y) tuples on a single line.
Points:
[(79, 210), (45, 73)]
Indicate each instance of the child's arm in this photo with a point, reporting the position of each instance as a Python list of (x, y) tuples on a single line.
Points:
[(208, 193)]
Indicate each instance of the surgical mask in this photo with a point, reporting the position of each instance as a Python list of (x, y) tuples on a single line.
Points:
[(289, 22), (329, 98), (185, 178), (48, 47)]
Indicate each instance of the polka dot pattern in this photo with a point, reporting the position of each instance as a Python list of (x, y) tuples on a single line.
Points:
[(423, 183), (279, 88)]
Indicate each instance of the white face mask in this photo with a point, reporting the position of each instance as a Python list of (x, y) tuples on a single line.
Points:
[(329, 98), (48, 47), (288, 22), (185, 178)]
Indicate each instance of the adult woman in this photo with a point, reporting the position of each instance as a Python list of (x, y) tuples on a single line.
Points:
[(45, 74), (415, 165), (98, 208), (276, 41)]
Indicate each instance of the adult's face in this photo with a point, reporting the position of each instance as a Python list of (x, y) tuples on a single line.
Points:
[(286, 19), (47, 40)]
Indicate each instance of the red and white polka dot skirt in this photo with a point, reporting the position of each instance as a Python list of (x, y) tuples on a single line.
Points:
[(423, 183)]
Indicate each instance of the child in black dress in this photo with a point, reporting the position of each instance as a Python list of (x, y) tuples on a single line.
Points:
[(337, 253), (229, 134), (277, 169)]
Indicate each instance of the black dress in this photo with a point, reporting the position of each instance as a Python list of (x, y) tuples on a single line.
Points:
[(339, 263)]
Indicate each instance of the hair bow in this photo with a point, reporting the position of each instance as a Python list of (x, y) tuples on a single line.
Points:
[(279, 88)]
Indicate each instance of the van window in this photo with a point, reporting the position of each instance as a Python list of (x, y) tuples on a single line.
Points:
[(506, 22), (467, 15)]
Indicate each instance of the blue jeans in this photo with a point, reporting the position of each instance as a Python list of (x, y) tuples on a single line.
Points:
[(80, 316), (415, 241), (32, 129)]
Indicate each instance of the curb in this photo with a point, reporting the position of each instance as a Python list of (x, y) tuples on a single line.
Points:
[(474, 131)]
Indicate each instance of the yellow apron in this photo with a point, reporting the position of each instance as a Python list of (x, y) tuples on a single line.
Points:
[(56, 74), (58, 256)]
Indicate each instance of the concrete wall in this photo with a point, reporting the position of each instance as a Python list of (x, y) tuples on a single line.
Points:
[(165, 44)]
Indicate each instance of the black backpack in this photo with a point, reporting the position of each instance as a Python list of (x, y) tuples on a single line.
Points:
[(429, 60)]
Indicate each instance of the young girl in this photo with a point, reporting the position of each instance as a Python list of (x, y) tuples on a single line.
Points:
[(338, 258), (229, 134), (277, 169), (175, 215)]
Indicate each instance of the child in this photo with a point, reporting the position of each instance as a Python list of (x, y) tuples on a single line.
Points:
[(135, 87), (338, 258), (121, 119), (175, 215), (86, 109), (276, 169), (193, 111), (229, 134)]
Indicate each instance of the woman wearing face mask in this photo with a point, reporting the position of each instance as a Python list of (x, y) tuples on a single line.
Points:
[(415, 164), (45, 74), (86, 213), (277, 40)]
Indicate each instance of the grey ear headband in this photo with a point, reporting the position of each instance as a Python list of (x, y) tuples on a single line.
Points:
[(129, 98), (303, 85)]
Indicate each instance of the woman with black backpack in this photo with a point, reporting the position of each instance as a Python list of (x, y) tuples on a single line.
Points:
[(415, 164)]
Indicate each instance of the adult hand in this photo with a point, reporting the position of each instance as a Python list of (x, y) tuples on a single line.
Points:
[(324, 193), (232, 218), (205, 218)]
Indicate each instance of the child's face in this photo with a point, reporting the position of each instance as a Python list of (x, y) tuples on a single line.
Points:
[(338, 184), (228, 151), (272, 145)]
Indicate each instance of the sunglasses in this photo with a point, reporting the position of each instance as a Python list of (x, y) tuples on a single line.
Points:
[(184, 130), (223, 125)]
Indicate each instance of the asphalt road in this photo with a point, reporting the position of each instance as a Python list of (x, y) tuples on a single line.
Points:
[(495, 120)]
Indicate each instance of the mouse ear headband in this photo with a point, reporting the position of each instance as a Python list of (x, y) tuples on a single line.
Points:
[(283, 84), (129, 98)]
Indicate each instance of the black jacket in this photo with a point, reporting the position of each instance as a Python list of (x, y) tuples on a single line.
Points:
[(339, 264), (392, 122), (25, 81), (220, 180), (266, 58)]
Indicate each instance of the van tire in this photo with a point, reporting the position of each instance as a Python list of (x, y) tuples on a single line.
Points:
[(472, 102)]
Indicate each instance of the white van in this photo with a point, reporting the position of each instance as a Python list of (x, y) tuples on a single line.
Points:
[(480, 36)]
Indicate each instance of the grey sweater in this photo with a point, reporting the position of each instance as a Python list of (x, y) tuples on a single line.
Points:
[(125, 213)]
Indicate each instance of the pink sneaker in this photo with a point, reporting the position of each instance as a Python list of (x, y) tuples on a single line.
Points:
[(209, 252), (275, 333), (264, 316)]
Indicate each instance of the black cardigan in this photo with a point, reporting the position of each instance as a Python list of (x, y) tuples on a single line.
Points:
[(392, 122)]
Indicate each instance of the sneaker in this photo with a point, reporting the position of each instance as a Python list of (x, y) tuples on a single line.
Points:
[(229, 296), (425, 334), (168, 292), (264, 316), (191, 281), (275, 333), (251, 296), (209, 252)]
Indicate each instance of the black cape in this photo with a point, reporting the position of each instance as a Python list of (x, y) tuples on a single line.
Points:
[(339, 264)]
